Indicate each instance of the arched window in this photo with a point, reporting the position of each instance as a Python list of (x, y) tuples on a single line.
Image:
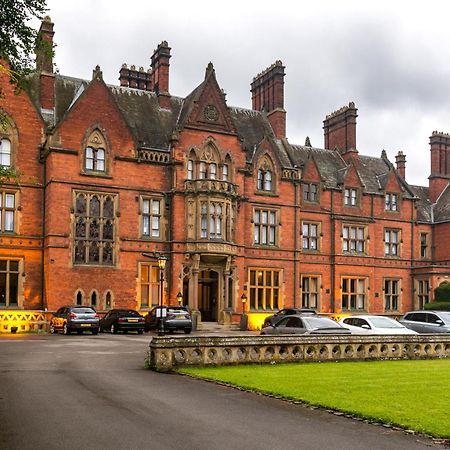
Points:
[(94, 299), (5, 152), (190, 170), (95, 153), (108, 300), (225, 172), (79, 298)]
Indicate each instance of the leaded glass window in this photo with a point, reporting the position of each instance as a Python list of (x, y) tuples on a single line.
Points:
[(94, 234)]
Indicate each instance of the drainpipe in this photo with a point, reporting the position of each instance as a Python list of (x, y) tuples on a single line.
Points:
[(43, 159), (296, 231), (332, 256)]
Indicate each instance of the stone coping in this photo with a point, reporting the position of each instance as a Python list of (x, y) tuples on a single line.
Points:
[(167, 353)]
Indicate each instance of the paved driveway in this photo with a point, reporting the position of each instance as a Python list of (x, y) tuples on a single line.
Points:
[(91, 392)]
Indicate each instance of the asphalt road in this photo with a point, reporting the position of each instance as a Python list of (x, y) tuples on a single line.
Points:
[(92, 392)]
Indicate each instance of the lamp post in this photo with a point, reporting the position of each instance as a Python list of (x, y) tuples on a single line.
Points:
[(244, 318), (180, 299), (162, 265)]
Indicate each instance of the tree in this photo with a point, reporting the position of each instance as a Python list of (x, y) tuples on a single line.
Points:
[(18, 41)]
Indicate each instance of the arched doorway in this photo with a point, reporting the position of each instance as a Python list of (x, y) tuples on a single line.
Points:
[(208, 295)]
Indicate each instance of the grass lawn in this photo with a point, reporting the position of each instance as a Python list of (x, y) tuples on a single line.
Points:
[(411, 394)]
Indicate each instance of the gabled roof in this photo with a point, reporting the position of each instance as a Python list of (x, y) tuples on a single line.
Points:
[(252, 127)]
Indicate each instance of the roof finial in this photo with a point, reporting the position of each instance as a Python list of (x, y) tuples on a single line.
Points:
[(307, 142), (209, 69)]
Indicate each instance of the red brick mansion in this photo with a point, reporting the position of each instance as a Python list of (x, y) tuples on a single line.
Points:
[(97, 181)]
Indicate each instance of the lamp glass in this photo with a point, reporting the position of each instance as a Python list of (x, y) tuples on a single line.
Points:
[(162, 262)]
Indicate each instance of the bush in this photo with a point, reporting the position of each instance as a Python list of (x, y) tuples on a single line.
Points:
[(438, 306), (442, 292)]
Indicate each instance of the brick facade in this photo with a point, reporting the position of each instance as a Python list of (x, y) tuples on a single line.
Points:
[(106, 178)]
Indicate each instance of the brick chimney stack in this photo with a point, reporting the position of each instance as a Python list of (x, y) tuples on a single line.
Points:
[(140, 79), (160, 74), (440, 164), (44, 64), (267, 91), (340, 129), (400, 161)]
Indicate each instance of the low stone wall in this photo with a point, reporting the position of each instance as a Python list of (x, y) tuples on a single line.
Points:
[(168, 353)]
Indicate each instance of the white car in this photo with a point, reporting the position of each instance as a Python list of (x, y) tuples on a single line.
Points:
[(374, 325)]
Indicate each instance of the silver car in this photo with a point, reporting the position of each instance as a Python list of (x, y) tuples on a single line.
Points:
[(371, 324), (427, 321), (304, 325)]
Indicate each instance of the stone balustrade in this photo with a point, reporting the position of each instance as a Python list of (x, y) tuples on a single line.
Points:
[(168, 353)]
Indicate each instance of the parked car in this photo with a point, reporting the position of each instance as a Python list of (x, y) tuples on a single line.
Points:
[(75, 318), (174, 318), (122, 320), (304, 324), (427, 321), (286, 312), (370, 324)]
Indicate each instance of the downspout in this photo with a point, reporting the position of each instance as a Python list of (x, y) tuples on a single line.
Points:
[(411, 281), (43, 159), (332, 256), (296, 231)]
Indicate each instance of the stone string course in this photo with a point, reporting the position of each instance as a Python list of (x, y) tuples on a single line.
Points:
[(168, 353)]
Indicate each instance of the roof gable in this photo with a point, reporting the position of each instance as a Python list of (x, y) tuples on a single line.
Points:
[(351, 177), (310, 170), (206, 108)]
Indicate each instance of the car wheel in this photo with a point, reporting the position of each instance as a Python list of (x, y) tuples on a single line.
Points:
[(66, 329), (187, 331), (113, 329), (52, 329), (140, 331), (94, 331), (79, 331)]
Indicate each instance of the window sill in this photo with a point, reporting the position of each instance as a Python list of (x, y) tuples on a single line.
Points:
[(102, 266), (93, 173), (267, 193)]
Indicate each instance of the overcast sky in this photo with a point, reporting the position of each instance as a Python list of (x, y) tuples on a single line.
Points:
[(391, 58)]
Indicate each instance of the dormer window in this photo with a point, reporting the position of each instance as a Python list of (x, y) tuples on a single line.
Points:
[(95, 159), (350, 197), (310, 192), (5, 152), (95, 153), (391, 202), (264, 180), (266, 175)]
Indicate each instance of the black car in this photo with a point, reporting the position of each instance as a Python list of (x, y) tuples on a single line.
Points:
[(122, 320), (174, 318), (311, 324), (75, 318), (271, 320)]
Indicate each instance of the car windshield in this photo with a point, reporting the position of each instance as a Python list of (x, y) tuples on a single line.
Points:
[(83, 311), (384, 322), (445, 316), (320, 322)]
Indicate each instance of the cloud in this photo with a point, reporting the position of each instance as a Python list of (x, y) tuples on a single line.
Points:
[(392, 61)]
